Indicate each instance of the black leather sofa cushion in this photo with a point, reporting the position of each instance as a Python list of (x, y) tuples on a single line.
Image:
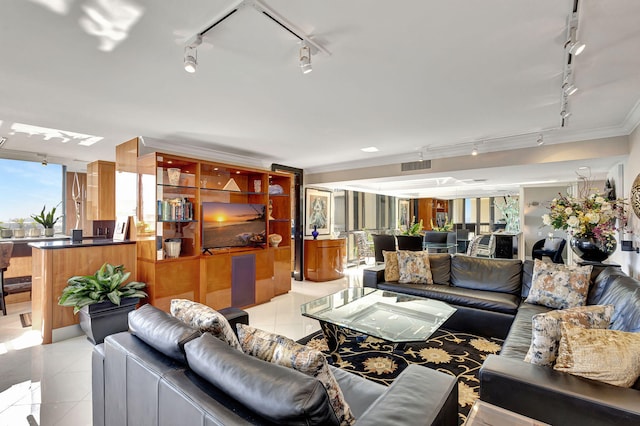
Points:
[(161, 331), (280, 394), (486, 300), (498, 275), (624, 293), (527, 277), (440, 265), (517, 343)]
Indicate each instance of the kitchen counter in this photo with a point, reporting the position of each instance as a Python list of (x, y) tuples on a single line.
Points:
[(54, 262), (62, 244)]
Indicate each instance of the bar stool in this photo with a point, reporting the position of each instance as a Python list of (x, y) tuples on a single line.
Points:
[(5, 257)]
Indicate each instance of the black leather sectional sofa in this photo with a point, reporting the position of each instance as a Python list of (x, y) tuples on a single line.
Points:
[(489, 296), (163, 372)]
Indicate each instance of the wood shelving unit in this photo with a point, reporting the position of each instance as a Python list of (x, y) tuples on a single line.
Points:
[(208, 277)]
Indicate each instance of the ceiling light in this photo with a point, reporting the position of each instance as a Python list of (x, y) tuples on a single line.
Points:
[(564, 114), (540, 140), (305, 58), (569, 89), (2, 141), (191, 53), (576, 47), (474, 151), (369, 149)]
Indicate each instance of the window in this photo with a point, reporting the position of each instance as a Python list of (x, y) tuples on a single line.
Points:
[(31, 187)]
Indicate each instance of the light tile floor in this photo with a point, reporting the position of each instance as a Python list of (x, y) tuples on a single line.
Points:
[(50, 385)]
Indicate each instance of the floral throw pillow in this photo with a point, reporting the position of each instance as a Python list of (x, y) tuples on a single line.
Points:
[(205, 319), (391, 272), (546, 332), (414, 267), (283, 351), (559, 286), (609, 356)]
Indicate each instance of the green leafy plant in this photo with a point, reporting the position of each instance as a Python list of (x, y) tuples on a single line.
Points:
[(48, 220), (106, 283), (415, 228), (446, 227)]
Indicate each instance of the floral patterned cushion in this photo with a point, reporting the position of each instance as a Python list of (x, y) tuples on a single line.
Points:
[(391, 272), (414, 267), (205, 319), (546, 329), (609, 356), (559, 286), (283, 351)]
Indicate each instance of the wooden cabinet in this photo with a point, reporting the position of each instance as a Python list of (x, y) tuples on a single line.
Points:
[(101, 188), (173, 194), (324, 259), (432, 209)]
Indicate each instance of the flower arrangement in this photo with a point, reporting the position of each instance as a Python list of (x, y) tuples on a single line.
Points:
[(589, 216)]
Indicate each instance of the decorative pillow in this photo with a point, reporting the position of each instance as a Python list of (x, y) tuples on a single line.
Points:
[(609, 356), (414, 267), (551, 244), (391, 272), (205, 319), (283, 351), (559, 286), (546, 332)]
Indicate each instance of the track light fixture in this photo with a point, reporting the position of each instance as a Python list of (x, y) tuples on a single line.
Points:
[(569, 89), (307, 44), (474, 151), (540, 140), (564, 114), (305, 58), (574, 45), (191, 54)]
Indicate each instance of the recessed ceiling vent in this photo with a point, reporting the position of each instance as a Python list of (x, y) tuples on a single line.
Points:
[(416, 165)]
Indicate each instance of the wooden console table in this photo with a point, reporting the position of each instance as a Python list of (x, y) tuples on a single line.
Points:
[(324, 259)]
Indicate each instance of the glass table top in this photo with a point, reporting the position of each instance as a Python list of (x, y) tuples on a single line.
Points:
[(394, 317)]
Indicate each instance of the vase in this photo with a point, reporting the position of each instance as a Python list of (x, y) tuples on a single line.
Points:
[(590, 249), (315, 232)]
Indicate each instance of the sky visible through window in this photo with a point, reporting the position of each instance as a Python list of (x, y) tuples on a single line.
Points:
[(26, 187)]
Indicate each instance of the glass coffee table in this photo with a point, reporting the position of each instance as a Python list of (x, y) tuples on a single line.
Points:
[(394, 317)]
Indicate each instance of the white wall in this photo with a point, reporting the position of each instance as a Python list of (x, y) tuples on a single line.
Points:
[(630, 261)]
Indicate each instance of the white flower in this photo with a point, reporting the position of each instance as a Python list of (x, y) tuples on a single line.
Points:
[(568, 210), (546, 219), (606, 206), (599, 200), (593, 217), (573, 222)]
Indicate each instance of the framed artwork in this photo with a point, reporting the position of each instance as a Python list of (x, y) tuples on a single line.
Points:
[(120, 232), (317, 211), (404, 216)]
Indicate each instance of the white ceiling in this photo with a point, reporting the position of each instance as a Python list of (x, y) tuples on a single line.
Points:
[(434, 77)]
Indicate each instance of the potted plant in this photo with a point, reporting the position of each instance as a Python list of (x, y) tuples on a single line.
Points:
[(48, 220), (19, 233), (5, 232), (33, 230), (103, 300)]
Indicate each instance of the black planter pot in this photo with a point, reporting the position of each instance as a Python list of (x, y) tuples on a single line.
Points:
[(104, 318), (588, 248)]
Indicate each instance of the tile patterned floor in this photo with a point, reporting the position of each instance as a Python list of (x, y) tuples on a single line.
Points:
[(50, 385)]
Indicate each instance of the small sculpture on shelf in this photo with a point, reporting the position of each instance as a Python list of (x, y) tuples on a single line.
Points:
[(275, 240), (315, 232)]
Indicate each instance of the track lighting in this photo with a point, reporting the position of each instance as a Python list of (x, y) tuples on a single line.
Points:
[(191, 54), (576, 47), (569, 89), (474, 151), (305, 58), (540, 140), (564, 114)]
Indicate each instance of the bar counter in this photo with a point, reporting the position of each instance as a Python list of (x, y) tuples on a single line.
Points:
[(54, 262)]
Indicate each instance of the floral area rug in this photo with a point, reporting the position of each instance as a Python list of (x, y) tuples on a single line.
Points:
[(458, 354)]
